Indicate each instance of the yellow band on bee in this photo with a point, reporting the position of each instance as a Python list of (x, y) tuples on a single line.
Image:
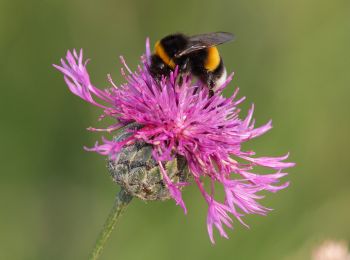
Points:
[(159, 50), (213, 59)]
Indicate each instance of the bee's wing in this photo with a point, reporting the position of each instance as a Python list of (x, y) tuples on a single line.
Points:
[(202, 41), (212, 39)]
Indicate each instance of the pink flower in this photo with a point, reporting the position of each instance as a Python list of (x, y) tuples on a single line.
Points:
[(184, 120)]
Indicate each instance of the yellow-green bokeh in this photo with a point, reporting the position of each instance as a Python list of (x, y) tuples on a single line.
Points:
[(291, 58)]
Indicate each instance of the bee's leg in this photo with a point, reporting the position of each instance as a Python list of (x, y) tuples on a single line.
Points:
[(210, 83), (185, 65), (211, 92), (183, 69), (181, 80)]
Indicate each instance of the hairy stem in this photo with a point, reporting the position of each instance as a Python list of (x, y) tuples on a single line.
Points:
[(122, 201)]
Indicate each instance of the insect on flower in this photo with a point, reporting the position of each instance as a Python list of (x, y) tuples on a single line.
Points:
[(168, 135), (196, 54)]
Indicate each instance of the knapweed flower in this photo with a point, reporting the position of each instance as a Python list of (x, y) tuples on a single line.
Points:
[(178, 118)]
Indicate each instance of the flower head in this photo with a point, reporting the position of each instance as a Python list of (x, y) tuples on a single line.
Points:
[(182, 119)]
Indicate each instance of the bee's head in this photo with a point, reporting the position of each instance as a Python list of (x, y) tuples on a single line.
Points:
[(158, 67)]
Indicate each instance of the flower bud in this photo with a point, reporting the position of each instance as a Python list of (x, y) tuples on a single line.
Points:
[(138, 173)]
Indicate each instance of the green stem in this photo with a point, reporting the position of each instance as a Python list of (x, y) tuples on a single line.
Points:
[(121, 203)]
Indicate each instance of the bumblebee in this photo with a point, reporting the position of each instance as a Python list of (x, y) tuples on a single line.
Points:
[(196, 54)]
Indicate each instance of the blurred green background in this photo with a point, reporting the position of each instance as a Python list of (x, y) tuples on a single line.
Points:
[(291, 58)]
